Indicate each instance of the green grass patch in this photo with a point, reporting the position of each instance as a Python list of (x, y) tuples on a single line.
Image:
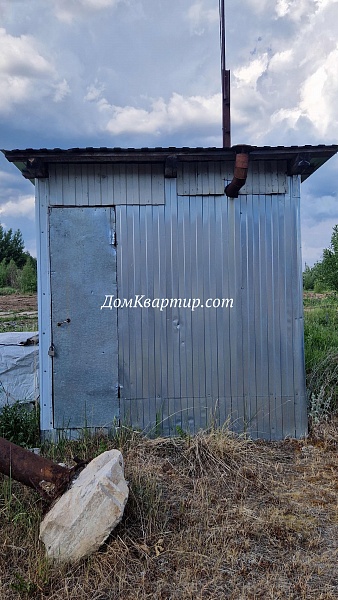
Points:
[(20, 424), (321, 353), (7, 291)]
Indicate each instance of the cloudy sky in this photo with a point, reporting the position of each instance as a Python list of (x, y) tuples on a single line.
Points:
[(133, 73)]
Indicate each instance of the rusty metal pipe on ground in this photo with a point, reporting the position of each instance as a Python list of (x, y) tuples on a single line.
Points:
[(240, 174), (41, 474)]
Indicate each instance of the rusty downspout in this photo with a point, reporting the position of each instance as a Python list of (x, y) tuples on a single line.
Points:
[(240, 171), (41, 474)]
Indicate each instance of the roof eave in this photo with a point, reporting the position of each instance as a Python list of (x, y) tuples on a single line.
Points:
[(301, 160)]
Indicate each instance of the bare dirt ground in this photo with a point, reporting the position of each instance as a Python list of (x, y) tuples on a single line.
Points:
[(18, 313), (18, 304)]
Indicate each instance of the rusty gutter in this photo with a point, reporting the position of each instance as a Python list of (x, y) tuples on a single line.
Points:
[(240, 171)]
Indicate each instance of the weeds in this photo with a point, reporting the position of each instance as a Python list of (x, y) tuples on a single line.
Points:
[(209, 516), (20, 424), (17, 322), (7, 291), (321, 354)]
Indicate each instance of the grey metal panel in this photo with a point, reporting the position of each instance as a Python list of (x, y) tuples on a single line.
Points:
[(179, 368), (184, 368), (106, 184), (205, 179), (83, 270), (201, 178), (266, 177)]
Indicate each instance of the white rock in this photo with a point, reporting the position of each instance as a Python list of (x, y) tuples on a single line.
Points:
[(82, 519)]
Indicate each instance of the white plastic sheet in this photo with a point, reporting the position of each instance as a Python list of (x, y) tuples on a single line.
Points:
[(19, 368)]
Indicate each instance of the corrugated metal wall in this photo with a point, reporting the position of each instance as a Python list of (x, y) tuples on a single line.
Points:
[(180, 368), (106, 184)]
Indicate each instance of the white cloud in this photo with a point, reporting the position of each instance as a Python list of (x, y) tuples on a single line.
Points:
[(289, 115), (61, 90), (178, 112), (19, 56), (21, 66), (318, 95), (316, 100), (23, 206), (322, 4), (13, 90), (282, 7), (199, 15), (249, 74), (286, 89), (26, 76), (296, 10), (281, 60), (94, 92)]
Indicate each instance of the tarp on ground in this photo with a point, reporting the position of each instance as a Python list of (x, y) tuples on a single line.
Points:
[(19, 367)]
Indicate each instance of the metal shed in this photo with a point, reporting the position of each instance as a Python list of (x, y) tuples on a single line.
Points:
[(164, 303)]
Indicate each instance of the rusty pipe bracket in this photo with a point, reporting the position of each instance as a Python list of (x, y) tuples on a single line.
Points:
[(43, 475), (240, 171)]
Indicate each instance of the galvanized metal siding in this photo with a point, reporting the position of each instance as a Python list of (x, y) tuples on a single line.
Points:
[(180, 368), (204, 178), (106, 184), (139, 184)]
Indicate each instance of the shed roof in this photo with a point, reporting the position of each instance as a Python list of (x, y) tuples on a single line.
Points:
[(301, 160)]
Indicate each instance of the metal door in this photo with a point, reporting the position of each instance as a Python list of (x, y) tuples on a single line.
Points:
[(84, 338)]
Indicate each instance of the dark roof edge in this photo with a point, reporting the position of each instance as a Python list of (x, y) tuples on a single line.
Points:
[(68, 155), (303, 160)]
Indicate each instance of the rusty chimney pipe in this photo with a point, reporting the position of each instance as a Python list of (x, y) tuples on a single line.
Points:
[(225, 74), (240, 171)]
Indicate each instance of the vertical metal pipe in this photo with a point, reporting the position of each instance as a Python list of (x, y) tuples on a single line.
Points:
[(225, 74)]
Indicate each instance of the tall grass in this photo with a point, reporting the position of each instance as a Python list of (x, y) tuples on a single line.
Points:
[(20, 424), (321, 353), (208, 516)]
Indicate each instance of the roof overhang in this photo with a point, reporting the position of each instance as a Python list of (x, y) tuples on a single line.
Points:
[(301, 160)]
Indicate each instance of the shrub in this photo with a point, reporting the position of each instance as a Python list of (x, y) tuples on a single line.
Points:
[(19, 423)]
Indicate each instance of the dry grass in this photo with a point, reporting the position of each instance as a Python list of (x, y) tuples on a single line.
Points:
[(209, 517)]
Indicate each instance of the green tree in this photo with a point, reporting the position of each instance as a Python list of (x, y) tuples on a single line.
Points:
[(329, 264), (12, 247), (311, 276), (28, 277), (3, 273), (13, 274)]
